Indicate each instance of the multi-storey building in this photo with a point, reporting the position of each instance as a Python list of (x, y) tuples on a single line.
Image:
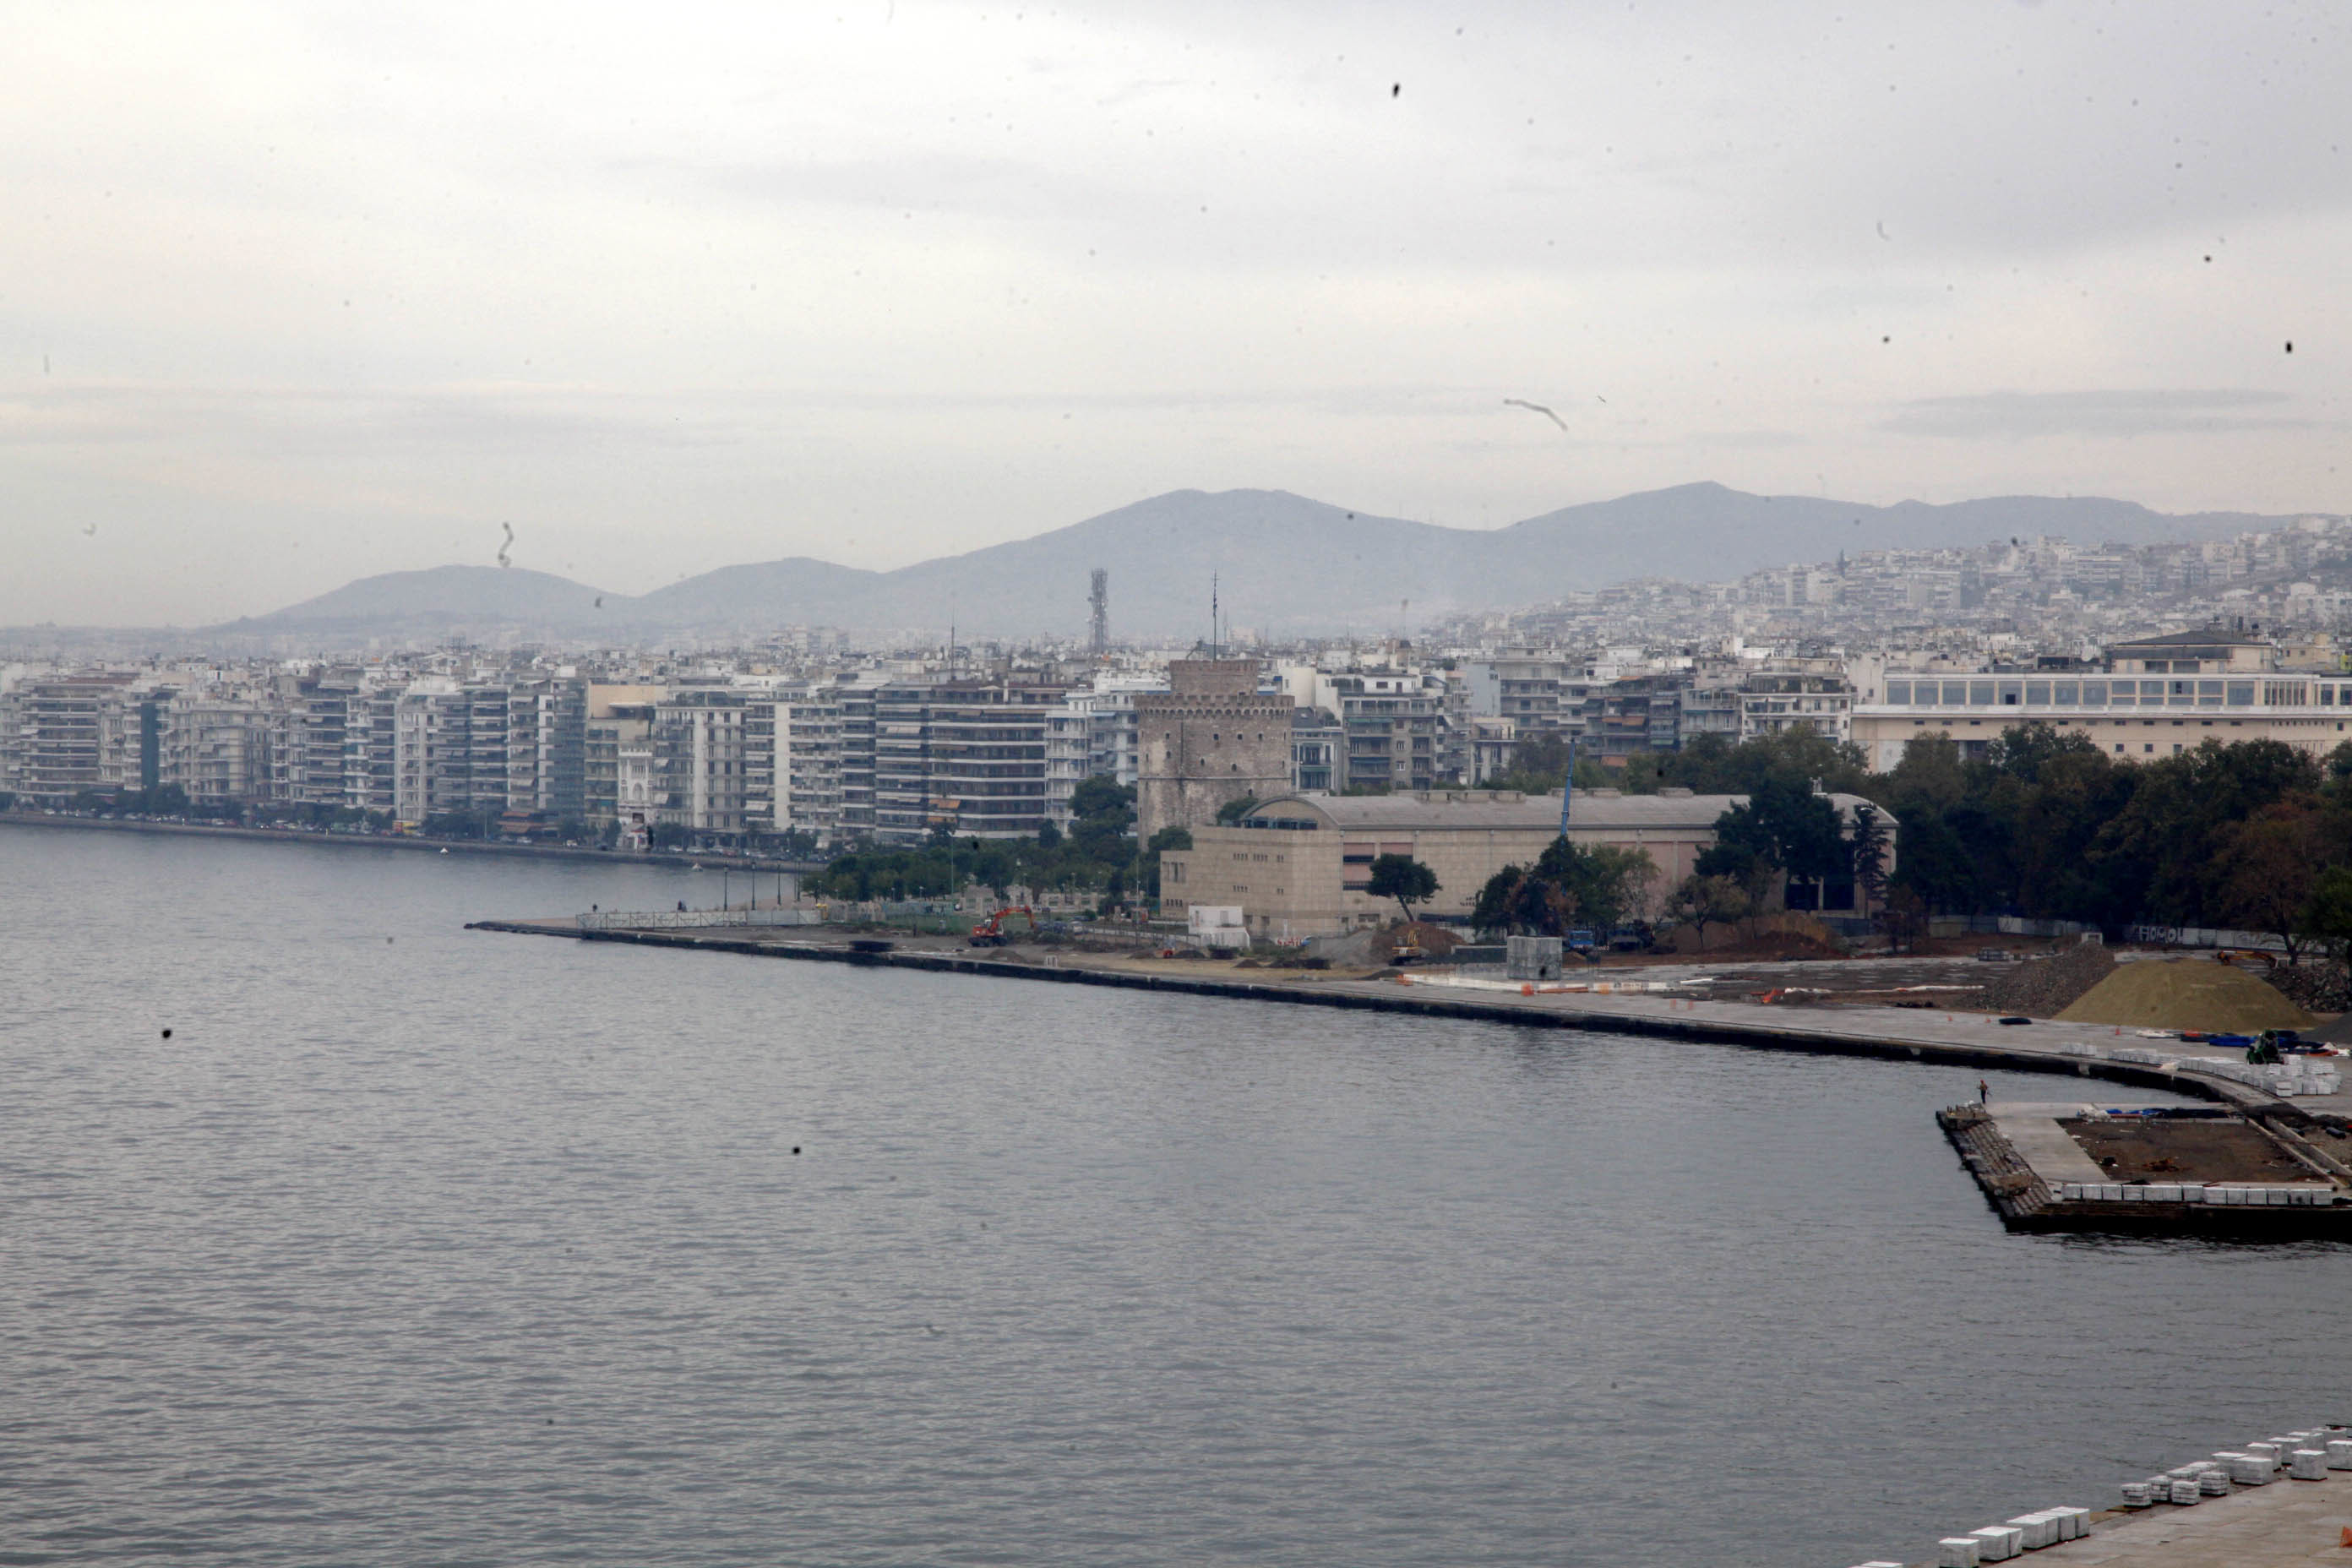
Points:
[(857, 698), (61, 728), (1317, 743), (2156, 697), (987, 750), (547, 747), (214, 748), (701, 762)]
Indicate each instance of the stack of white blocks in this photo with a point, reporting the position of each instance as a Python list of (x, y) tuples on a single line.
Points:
[(2307, 1455), (1999, 1543)]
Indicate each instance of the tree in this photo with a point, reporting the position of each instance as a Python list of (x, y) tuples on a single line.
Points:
[(1708, 900), (1868, 846), (2272, 872), (1102, 813), (1904, 918), (2326, 916), (1231, 812), (1404, 878), (1569, 883), (1780, 824)]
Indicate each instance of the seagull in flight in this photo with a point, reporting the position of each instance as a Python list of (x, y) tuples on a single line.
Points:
[(1537, 408)]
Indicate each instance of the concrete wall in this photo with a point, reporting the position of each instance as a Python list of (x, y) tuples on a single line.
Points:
[(1296, 884)]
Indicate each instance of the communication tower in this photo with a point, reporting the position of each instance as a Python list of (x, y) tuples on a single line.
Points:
[(1098, 600)]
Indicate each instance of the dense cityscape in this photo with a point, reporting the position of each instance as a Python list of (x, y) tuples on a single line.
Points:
[(810, 742)]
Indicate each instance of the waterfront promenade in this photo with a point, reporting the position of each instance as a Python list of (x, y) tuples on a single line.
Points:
[(1887, 1032), (409, 841)]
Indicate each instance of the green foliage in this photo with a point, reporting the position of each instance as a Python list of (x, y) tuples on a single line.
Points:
[(2047, 826), (1097, 854), (1783, 825), (1571, 884), (1404, 878), (2326, 914), (1232, 811), (1165, 839), (1711, 901)]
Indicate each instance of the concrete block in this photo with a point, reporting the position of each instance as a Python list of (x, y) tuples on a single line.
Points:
[(2214, 1483), (1957, 1552), (2339, 1454), (1999, 1543), (2040, 1528), (2073, 1523), (2247, 1469), (2185, 1492), (2307, 1464)]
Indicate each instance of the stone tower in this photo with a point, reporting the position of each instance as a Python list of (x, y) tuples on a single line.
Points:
[(1210, 739)]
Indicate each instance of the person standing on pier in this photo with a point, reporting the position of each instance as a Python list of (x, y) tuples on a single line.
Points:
[(1984, 1093)]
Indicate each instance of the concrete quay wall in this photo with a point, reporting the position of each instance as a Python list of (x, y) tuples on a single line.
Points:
[(403, 841), (1713, 1023)]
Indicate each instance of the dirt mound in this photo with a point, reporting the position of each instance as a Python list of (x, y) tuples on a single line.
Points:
[(2184, 993), (2040, 987)]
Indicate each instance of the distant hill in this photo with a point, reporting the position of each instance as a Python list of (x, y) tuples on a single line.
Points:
[(453, 596), (1285, 564)]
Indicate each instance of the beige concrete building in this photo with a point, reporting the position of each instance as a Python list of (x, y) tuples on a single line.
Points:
[(1297, 866), (2160, 696), (1211, 738)]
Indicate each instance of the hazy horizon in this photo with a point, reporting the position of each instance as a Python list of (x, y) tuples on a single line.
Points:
[(300, 295)]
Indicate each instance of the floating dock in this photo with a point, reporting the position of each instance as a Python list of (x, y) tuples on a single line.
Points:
[(2150, 1169)]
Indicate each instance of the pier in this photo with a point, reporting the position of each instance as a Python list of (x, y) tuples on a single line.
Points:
[(2153, 1170)]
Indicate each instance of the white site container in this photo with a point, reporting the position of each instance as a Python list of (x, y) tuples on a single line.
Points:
[(1957, 1552), (1217, 925)]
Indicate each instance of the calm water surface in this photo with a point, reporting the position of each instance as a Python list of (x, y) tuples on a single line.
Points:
[(420, 1246)]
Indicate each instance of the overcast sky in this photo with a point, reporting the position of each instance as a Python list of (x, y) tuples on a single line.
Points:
[(292, 294)]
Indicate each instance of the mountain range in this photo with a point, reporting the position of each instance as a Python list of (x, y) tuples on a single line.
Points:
[(1284, 565)]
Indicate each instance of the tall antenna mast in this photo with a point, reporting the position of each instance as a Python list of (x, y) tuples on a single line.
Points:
[(1099, 600), (1568, 786), (1213, 614)]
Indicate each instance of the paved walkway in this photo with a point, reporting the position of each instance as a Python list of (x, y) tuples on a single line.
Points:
[(2286, 1522)]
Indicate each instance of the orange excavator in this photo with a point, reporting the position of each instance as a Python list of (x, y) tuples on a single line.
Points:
[(990, 933)]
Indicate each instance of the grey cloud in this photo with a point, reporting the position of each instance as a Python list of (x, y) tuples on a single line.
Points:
[(2021, 415)]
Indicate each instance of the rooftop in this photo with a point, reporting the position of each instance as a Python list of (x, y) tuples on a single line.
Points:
[(1505, 810)]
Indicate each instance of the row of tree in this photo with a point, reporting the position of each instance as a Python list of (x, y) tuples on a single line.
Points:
[(1099, 855), (2255, 835)]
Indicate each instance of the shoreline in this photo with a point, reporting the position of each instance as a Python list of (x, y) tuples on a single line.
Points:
[(406, 841), (1896, 1039)]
